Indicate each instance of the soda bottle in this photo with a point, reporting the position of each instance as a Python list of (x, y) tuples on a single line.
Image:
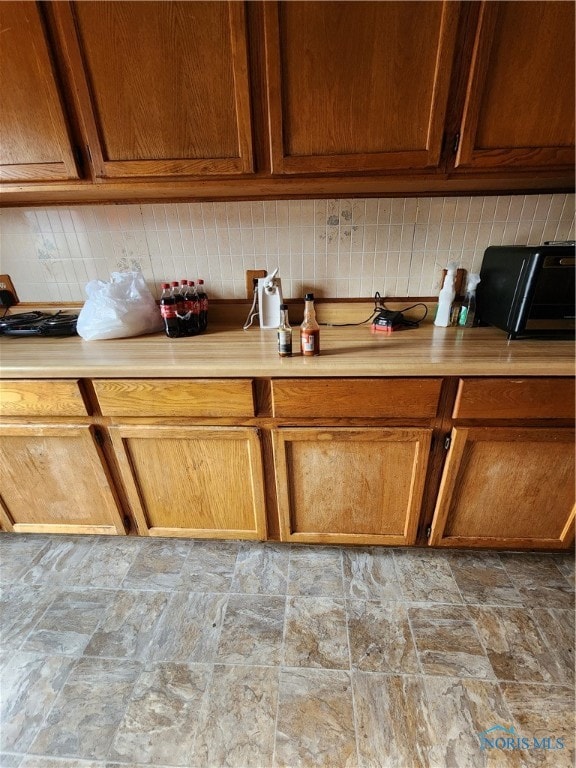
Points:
[(179, 303), (168, 312), (192, 297), (309, 330), (203, 299), (185, 319)]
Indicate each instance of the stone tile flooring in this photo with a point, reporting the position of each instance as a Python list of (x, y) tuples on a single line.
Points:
[(132, 652)]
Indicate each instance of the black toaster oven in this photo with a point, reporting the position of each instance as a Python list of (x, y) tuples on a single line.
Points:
[(528, 291)]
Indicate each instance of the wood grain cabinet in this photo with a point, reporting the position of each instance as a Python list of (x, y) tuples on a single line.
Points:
[(161, 88), (506, 484), (352, 484), (203, 482), (519, 108), (183, 478), (208, 99), (35, 143), (54, 477), (358, 86)]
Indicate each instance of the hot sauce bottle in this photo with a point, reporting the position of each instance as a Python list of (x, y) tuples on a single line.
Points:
[(309, 330), (284, 333)]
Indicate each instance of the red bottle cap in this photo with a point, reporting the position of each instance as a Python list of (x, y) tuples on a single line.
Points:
[(165, 285), (174, 284), (183, 282), (200, 282)]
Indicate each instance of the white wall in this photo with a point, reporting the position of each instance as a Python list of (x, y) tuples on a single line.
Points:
[(337, 248)]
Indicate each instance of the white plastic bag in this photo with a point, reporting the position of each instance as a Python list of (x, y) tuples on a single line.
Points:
[(118, 309)]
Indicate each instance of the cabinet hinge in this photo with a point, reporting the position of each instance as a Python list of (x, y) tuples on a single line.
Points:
[(98, 436), (447, 442), (428, 531), (456, 143)]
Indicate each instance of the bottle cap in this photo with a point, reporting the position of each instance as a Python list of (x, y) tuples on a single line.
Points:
[(165, 285), (283, 306), (183, 282), (200, 282), (309, 297), (174, 283)]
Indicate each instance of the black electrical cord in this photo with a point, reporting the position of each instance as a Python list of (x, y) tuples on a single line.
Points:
[(415, 323), (378, 306)]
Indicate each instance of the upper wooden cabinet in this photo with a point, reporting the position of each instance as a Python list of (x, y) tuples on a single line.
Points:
[(161, 87), (358, 86), (265, 99), (519, 109), (34, 140)]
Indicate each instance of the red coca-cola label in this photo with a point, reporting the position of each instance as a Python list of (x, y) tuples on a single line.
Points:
[(168, 310)]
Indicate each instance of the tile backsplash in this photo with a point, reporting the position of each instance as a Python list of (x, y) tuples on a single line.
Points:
[(336, 248)]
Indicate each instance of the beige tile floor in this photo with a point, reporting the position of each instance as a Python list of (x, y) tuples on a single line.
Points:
[(130, 652)]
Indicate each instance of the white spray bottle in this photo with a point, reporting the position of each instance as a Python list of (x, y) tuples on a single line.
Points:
[(446, 296), (468, 310)]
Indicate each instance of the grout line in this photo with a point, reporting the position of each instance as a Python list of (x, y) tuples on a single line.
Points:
[(355, 718), (281, 665)]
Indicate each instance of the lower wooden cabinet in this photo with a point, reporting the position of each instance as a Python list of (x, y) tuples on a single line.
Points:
[(350, 485), (203, 458), (54, 480), (203, 482), (507, 487)]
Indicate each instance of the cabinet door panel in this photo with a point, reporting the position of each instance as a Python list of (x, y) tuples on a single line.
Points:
[(54, 480), (165, 85), (34, 142), (519, 109), (193, 481), (358, 86), (350, 485), (507, 487)]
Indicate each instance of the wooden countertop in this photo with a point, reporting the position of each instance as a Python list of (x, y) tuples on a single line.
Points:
[(226, 351)]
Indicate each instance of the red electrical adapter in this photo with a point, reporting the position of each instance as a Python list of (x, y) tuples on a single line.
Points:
[(387, 321)]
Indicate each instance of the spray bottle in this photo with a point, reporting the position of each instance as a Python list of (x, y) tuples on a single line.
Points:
[(468, 309), (446, 296)]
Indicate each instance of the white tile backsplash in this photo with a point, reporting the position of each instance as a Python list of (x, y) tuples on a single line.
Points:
[(336, 248)]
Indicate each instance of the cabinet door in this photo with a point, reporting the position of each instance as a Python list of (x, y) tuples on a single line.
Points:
[(34, 142), (54, 480), (203, 482), (519, 109), (162, 86), (507, 487), (350, 486), (358, 86)]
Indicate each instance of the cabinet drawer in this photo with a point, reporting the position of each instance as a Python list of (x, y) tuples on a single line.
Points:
[(540, 398), (361, 398), (41, 398), (175, 397)]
